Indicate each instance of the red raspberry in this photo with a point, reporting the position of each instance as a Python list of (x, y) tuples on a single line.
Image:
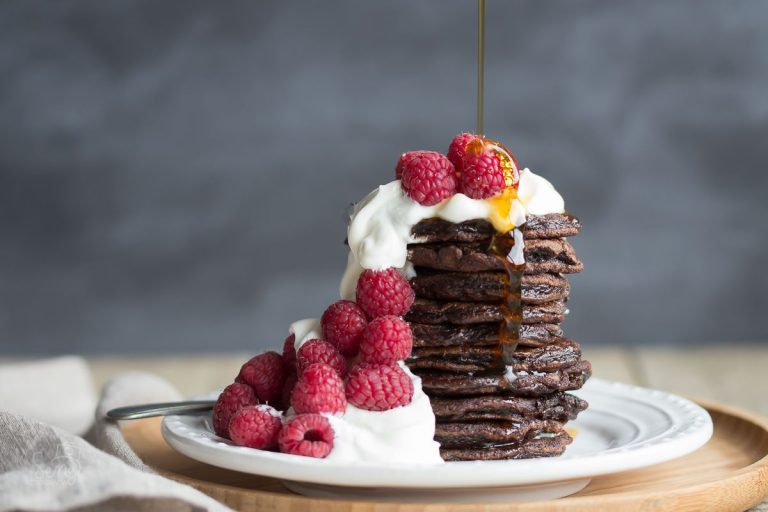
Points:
[(386, 340), (384, 292), (256, 426), (265, 373), (343, 323), (289, 350), (310, 435), (481, 176), (379, 387), (428, 178), (404, 158), (458, 148), (232, 399), (320, 351), (319, 389)]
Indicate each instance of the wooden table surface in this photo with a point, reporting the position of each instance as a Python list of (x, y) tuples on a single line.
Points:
[(735, 374)]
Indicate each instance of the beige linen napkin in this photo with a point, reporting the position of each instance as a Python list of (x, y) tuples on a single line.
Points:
[(45, 467), (56, 391)]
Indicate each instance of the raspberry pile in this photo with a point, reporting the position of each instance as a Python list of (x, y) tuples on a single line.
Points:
[(475, 166), (356, 362)]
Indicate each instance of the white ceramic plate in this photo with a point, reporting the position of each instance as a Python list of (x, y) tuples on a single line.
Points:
[(625, 427)]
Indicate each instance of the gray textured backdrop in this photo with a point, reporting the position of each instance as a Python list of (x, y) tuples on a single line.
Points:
[(173, 175)]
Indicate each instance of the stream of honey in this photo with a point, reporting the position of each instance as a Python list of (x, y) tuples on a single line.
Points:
[(511, 306), (479, 129), (501, 243)]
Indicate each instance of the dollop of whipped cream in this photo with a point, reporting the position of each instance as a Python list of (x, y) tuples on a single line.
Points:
[(400, 435), (537, 195), (305, 330), (403, 435), (380, 226)]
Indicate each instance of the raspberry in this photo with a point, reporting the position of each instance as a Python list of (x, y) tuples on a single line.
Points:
[(319, 389), (343, 323), (255, 426), (481, 176), (320, 351), (458, 148), (379, 387), (384, 292), (289, 350), (403, 160), (310, 435), (428, 178), (386, 340), (507, 161), (265, 373), (232, 399)]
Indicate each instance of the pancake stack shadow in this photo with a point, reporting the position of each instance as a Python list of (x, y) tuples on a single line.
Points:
[(486, 408)]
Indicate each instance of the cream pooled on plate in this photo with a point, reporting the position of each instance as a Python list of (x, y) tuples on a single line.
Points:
[(400, 435)]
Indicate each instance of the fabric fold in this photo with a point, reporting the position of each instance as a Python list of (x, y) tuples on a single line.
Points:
[(44, 467)]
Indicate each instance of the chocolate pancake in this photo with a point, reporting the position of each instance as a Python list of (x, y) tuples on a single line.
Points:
[(426, 311), (454, 359), (557, 406), (541, 255), (553, 225), (449, 335), (485, 410), (544, 446), (525, 383), (467, 257), (439, 230), (479, 434), (486, 286), (551, 255), (538, 335), (484, 334), (552, 357)]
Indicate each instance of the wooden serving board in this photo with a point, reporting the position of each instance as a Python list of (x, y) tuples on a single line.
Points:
[(729, 473)]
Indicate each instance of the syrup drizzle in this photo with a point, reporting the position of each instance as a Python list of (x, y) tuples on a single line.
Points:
[(480, 64), (501, 246)]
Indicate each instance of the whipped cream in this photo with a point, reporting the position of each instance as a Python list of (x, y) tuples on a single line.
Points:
[(403, 435), (538, 195), (305, 330), (400, 435), (380, 227)]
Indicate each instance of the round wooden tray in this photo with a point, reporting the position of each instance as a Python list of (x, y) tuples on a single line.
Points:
[(729, 473)]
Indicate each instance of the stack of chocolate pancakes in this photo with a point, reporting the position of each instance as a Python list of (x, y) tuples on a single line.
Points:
[(487, 341)]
